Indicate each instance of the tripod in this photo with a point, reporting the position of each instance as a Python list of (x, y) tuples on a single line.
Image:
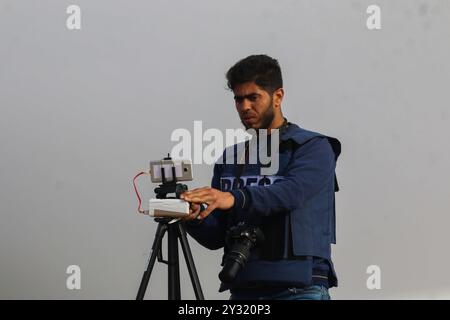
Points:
[(175, 231)]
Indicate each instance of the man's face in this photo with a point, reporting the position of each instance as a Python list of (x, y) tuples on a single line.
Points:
[(254, 105)]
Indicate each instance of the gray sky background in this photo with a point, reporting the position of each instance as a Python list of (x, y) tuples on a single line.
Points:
[(83, 111)]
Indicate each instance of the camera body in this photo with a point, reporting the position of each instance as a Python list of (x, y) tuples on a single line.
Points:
[(241, 239)]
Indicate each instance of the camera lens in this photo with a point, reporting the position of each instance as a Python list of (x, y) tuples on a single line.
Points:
[(229, 271), (236, 258)]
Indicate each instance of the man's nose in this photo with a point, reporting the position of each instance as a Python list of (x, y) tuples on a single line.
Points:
[(245, 105)]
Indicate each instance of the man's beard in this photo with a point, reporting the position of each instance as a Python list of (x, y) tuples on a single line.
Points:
[(266, 118)]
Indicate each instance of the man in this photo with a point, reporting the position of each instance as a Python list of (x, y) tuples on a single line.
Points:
[(293, 209)]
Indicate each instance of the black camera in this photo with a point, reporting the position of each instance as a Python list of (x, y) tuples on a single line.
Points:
[(240, 239)]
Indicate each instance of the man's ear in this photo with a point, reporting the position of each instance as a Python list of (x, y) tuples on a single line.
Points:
[(278, 97)]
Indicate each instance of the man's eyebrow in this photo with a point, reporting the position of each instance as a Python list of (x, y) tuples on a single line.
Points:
[(246, 96)]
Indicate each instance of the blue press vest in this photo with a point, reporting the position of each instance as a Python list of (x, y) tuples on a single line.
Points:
[(312, 226)]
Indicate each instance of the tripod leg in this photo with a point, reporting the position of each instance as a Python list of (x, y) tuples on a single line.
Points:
[(190, 262), (155, 249), (173, 263)]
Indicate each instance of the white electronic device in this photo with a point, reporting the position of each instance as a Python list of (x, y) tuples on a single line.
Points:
[(172, 208)]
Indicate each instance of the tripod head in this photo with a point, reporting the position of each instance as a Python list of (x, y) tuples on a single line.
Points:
[(171, 187)]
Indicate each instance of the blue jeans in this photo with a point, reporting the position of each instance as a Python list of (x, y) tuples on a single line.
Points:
[(307, 293)]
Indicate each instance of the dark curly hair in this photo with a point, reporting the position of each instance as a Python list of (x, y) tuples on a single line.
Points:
[(260, 69)]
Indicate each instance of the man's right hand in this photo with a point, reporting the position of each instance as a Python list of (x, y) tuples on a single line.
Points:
[(194, 212)]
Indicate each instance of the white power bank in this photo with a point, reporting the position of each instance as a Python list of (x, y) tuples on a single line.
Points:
[(173, 208)]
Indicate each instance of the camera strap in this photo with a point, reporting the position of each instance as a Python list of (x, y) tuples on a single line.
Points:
[(240, 167)]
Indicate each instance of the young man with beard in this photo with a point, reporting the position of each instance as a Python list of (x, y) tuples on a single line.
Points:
[(294, 209)]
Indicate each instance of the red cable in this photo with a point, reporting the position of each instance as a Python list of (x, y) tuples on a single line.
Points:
[(137, 193)]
